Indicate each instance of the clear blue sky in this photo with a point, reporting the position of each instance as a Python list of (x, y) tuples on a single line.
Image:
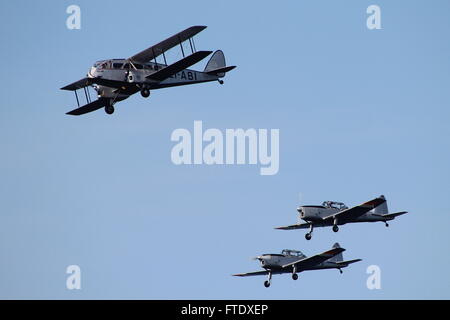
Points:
[(361, 113)]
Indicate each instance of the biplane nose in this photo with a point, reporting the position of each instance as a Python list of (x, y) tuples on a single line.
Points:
[(92, 72)]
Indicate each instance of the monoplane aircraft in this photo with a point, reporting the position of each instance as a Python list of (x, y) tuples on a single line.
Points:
[(334, 214), (293, 261)]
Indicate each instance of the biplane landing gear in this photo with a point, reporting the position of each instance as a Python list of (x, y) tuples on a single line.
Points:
[(294, 276), (220, 81), (335, 228), (340, 270), (109, 109), (386, 224), (145, 93)]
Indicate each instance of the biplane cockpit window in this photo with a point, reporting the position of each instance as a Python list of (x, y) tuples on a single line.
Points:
[(126, 66), (138, 66), (117, 65)]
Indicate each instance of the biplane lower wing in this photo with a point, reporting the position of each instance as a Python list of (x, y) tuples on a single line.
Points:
[(83, 83), (179, 66), (80, 84), (95, 105), (123, 85)]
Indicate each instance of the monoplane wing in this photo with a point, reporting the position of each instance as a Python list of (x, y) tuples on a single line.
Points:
[(94, 105), (295, 226), (314, 260), (156, 50), (179, 66), (355, 212), (249, 274)]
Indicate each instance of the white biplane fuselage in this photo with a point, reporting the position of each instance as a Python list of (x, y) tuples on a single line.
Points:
[(122, 70)]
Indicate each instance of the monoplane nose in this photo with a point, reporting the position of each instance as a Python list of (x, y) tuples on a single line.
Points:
[(262, 259)]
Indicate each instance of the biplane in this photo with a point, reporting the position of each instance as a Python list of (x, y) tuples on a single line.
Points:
[(293, 262), (334, 214), (115, 80)]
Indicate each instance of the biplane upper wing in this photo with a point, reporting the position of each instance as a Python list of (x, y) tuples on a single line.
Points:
[(179, 65), (314, 260), (156, 50), (355, 212)]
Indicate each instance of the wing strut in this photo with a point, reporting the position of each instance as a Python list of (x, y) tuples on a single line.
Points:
[(190, 43), (76, 95), (165, 61), (87, 94), (181, 45)]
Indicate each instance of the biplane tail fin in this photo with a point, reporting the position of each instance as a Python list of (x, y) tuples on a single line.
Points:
[(216, 65)]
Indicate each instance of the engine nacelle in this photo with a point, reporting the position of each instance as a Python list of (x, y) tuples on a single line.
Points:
[(133, 77)]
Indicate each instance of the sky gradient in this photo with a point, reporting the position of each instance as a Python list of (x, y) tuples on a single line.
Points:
[(360, 112)]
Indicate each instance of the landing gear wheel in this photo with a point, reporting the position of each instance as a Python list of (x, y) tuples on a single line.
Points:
[(145, 93), (387, 224), (335, 228), (220, 81), (308, 236), (340, 271), (109, 109), (294, 276), (266, 284)]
